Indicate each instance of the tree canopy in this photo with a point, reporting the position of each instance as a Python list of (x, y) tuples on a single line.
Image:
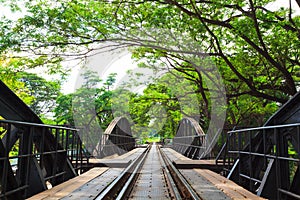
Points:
[(245, 50)]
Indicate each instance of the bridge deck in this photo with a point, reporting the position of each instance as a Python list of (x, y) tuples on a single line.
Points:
[(182, 162), (150, 183), (89, 184)]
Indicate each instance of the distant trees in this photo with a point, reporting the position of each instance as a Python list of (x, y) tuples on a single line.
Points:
[(88, 108), (10, 78), (90, 102), (157, 109), (44, 92)]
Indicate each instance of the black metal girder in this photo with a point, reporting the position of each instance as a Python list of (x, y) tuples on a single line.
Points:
[(117, 138), (289, 113), (13, 108), (11, 182), (190, 139)]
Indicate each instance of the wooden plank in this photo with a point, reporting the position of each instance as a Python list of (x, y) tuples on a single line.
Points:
[(204, 188), (201, 164), (92, 189), (195, 162), (230, 188), (112, 156), (69, 186), (130, 153), (117, 162), (121, 157), (174, 155)]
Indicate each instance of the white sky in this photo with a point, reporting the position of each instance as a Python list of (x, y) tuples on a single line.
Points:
[(120, 66)]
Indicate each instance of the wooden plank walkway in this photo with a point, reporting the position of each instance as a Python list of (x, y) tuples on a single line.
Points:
[(208, 184), (69, 186), (182, 162), (230, 188), (121, 161), (91, 189), (92, 182)]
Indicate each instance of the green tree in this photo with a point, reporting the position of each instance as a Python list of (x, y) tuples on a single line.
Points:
[(89, 102), (88, 108), (162, 105), (9, 76), (63, 110), (44, 92), (255, 49), (38, 93)]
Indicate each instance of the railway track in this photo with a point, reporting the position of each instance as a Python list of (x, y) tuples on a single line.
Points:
[(151, 176)]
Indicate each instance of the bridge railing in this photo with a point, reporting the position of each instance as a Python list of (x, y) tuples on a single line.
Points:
[(265, 160), (223, 158), (31, 159)]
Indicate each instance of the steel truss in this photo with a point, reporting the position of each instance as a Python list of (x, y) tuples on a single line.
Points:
[(33, 156), (265, 160), (117, 138), (31, 153), (190, 139), (269, 164)]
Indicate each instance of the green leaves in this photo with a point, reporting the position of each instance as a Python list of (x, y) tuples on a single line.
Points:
[(44, 92), (256, 50), (91, 103), (38, 93)]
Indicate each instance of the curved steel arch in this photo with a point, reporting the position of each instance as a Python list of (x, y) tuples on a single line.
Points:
[(117, 138), (190, 139)]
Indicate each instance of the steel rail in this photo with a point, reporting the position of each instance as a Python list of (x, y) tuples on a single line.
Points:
[(114, 188), (171, 183), (122, 186), (126, 190), (184, 187), (132, 179)]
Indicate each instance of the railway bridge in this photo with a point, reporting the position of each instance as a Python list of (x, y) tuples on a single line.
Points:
[(52, 162)]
